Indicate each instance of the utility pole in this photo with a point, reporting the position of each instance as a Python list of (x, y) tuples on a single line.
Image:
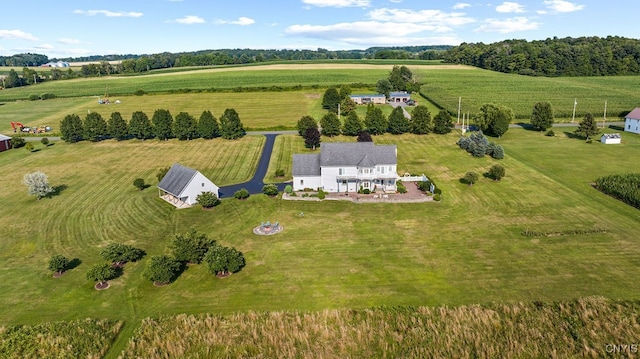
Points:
[(573, 118), (604, 118), (459, 101)]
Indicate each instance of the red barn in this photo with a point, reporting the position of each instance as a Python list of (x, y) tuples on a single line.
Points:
[(5, 142)]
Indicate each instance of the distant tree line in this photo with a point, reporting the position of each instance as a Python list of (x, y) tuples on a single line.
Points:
[(162, 126), (583, 56)]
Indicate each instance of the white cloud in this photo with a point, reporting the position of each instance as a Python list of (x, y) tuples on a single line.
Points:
[(563, 6), (17, 35), (242, 21), (46, 47), (190, 20), (436, 19), (69, 41), (338, 3), (361, 29), (461, 5), (508, 25), (108, 13), (510, 7)]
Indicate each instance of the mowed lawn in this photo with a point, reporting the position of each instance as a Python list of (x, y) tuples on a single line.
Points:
[(466, 249)]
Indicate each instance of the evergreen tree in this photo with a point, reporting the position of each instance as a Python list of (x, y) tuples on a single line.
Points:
[(140, 126), (330, 125), (162, 124), (208, 126), (117, 126), (13, 80), (230, 125), (331, 99), (71, 128), (587, 127), (442, 123), (185, 127), (352, 125), (304, 123), (542, 116), (312, 138), (421, 120), (398, 123), (347, 105), (374, 121), (95, 127)]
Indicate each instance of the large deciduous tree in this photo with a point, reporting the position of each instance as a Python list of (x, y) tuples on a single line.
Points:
[(119, 253), (185, 127), (442, 123), (352, 125), (191, 247), (374, 121), (140, 126), (542, 116), (496, 172), (208, 126), (421, 123), (95, 127), (383, 86), (304, 123), (101, 273), (587, 127), (330, 125), (58, 263), (312, 138), (230, 125), (331, 99), (162, 122), (398, 123), (117, 126), (71, 128), (37, 184), (494, 119), (224, 260), (161, 269)]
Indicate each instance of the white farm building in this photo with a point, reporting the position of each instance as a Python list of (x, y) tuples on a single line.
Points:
[(632, 121), (182, 185)]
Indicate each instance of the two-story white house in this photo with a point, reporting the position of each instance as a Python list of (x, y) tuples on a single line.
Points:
[(347, 167), (632, 121)]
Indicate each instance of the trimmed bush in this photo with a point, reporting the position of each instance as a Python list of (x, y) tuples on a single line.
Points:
[(242, 193), (33, 97), (139, 184), (279, 172), (207, 199), (270, 190), (288, 189)]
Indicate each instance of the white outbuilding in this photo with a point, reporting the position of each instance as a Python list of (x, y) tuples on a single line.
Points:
[(182, 185), (610, 138)]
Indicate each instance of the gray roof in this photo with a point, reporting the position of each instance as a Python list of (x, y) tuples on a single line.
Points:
[(3, 137), (306, 165), (364, 154), (175, 181)]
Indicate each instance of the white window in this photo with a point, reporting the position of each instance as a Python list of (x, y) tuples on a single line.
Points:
[(301, 182), (381, 169), (365, 170), (202, 184), (341, 171), (365, 185)]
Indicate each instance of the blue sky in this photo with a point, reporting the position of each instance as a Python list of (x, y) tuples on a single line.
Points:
[(71, 28)]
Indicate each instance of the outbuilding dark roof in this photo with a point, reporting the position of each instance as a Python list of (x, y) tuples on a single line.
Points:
[(364, 154), (175, 181), (306, 165)]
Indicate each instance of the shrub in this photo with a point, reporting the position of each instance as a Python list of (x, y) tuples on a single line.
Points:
[(279, 172), (496, 172), (424, 186), (470, 178), (140, 92), (550, 133), (161, 173), (58, 263), (270, 190), (242, 193), (288, 189), (366, 191), (139, 184), (207, 199), (322, 194), (437, 191), (33, 97), (17, 142), (47, 96), (44, 141), (498, 152), (401, 187), (29, 147), (437, 197)]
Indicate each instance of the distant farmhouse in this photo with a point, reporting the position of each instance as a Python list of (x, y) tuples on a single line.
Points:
[(346, 167), (5, 142), (56, 64), (632, 121), (182, 185), (367, 99), (610, 138), (381, 99)]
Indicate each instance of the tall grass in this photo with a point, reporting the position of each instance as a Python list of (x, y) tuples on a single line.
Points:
[(586, 327), (74, 339)]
